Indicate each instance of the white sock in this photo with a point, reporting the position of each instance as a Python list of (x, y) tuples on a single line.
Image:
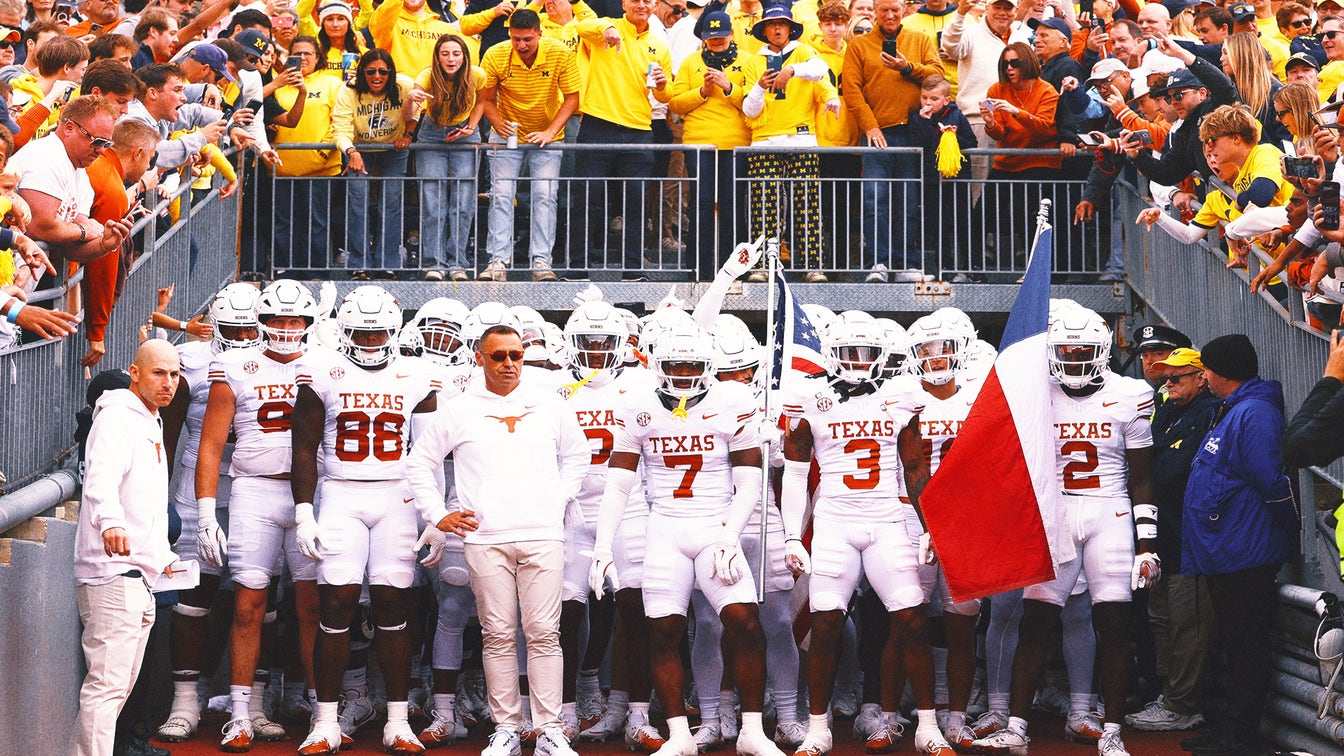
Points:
[(185, 700), (569, 712), (817, 725), (526, 704), (638, 714), (998, 702), (927, 717), (751, 723), (443, 704), (1110, 727), (678, 728), (1018, 725), (324, 712), (397, 712), (1080, 702), (256, 707), (240, 696)]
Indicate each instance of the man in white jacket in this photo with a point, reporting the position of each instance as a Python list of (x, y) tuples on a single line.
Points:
[(121, 543), (514, 526)]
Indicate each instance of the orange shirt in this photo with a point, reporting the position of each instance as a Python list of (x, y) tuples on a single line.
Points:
[(1033, 127), (85, 27), (102, 276)]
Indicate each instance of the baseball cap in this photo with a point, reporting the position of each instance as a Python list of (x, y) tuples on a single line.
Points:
[(1336, 3), (1183, 357), (1138, 89), (1241, 11), (10, 35), (1301, 59), (1106, 68), (1182, 79), (1161, 337), (212, 56), (1054, 22), (253, 42), (714, 24)]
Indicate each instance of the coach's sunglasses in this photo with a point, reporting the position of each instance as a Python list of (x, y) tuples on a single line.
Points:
[(512, 356)]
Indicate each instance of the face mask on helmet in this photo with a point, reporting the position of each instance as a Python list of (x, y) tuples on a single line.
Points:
[(369, 319), (234, 315), (1077, 366), (596, 351), (368, 348), (856, 363), (937, 361), (442, 341), (284, 334), (679, 377), (228, 337), (286, 310)]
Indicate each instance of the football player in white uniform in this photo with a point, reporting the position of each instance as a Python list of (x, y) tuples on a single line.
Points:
[(357, 410), (864, 439), (1104, 461), (699, 443), (597, 339), (936, 349), (252, 395), (233, 314)]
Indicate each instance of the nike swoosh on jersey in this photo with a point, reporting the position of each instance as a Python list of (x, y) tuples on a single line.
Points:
[(403, 375), (709, 415), (407, 501), (1109, 404), (1122, 514)]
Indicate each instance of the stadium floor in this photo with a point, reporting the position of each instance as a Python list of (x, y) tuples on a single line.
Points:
[(1047, 739)]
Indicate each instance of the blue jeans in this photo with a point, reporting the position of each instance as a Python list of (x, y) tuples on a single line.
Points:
[(307, 199), (450, 175), (884, 200), (543, 167), (385, 252)]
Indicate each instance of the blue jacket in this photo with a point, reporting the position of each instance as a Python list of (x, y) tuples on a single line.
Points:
[(1239, 511)]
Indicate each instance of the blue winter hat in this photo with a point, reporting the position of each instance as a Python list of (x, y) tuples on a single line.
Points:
[(777, 13)]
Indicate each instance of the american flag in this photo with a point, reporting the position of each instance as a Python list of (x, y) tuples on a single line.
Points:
[(797, 342)]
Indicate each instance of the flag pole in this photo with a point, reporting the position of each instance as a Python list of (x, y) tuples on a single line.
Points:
[(1042, 224), (772, 267)]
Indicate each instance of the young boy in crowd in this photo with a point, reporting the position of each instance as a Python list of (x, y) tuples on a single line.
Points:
[(946, 203)]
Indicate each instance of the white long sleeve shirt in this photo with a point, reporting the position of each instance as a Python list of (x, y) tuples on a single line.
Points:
[(125, 486), (518, 460)]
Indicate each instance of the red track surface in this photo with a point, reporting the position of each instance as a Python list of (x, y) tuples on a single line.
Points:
[(1046, 740)]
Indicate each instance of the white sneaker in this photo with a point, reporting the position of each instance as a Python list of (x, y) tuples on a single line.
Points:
[(178, 728), (612, 722), (845, 703), (1082, 727), (324, 738), (356, 711), (814, 745), (503, 742), (868, 719), (960, 737), (238, 736), (708, 737), (728, 724), (569, 727), (790, 734), (1051, 700), (878, 274), (911, 275), (643, 737), (990, 723), (1003, 741), (1110, 744), (400, 738), (1156, 717), (265, 730), (755, 743), (552, 742), (441, 731), (495, 271)]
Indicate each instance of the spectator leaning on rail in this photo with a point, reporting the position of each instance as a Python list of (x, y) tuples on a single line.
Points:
[(163, 105), (121, 541), (1313, 438), (1239, 527), (53, 181)]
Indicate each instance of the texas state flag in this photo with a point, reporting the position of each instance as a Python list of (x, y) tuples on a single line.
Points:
[(993, 508)]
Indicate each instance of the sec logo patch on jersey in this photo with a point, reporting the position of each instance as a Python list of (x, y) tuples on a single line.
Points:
[(251, 367), (643, 419), (824, 403), (337, 373)]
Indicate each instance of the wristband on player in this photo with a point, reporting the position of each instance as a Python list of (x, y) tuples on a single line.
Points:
[(1145, 521)]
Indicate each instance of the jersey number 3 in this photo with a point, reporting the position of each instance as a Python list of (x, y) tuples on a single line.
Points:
[(358, 435), (870, 463)]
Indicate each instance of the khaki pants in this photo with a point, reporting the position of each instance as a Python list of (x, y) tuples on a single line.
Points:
[(1180, 612), (117, 618), (520, 583)]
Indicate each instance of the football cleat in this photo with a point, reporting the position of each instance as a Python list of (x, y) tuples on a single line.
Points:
[(237, 736), (399, 738), (325, 738), (1110, 744), (708, 737), (178, 728), (1003, 741), (814, 745), (266, 731), (293, 707), (728, 724), (643, 737), (569, 728), (931, 742), (552, 742), (961, 737), (612, 722), (990, 723), (868, 720), (590, 708), (1082, 727), (885, 737), (356, 711), (1156, 717), (845, 703), (503, 742), (442, 730), (790, 734), (755, 743)]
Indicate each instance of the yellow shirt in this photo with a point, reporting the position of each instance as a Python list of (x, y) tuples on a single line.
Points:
[(476, 80), (614, 88), (1331, 76), (1262, 162), (796, 112), (1269, 27), (742, 26), (27, 85), (842, 131), (334, 55), (314, 125), (933, 26), (531, 96), (715, 120), (567, 33), (410, 37), (368, 118), (1278, 55)]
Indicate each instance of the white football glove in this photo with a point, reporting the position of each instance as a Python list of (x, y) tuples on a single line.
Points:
[(796, 557), (600, 571), (590, 294), (436, 540), (211, 544), (672, 300), (926, 555), (1147, 571), (306, 531), (729, 561), (744, 258)]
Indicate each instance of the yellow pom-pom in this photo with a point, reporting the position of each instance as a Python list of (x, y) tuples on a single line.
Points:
[(949, 154), (680, 411), (6, 268)]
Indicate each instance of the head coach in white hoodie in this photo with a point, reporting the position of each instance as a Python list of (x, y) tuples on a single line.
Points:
[(121, 542), (519, 457)]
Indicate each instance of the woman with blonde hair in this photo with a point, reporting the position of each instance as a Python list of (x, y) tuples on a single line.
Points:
[(1245, 61), (1293, 106)]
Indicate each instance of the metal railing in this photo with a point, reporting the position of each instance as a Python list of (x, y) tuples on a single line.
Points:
[(409, 221), (43, 383)]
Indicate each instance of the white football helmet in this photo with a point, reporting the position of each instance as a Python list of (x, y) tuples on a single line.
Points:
[(439, 322), (531, 325), (409, 341), (936, 347), (1079, 343), (660, 322), (894, 337), (596, 335), (682, 361), (854, 351), (235, 306), (736, 349), (285, 298), (364, 314), (482, 317), (820, 317)]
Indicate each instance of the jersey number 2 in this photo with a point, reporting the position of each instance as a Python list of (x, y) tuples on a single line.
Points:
[(1077, 475)]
